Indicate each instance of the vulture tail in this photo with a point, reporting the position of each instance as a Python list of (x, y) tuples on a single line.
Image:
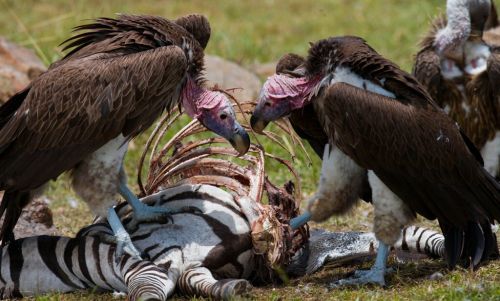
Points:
[(12, 205), (453, 244), (474, 247), (470, 245), (491, 244)]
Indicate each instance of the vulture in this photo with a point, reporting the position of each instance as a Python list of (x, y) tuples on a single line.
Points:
[(462, 74), (379, 118), (79, 116)]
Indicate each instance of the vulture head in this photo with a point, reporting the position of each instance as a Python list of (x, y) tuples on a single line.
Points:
[(287, 90), (465, 18), (211, 108), (214, 110)]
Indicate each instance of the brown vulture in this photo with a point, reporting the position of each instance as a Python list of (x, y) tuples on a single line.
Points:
[(463, 75), (79, 115), (378, 117)]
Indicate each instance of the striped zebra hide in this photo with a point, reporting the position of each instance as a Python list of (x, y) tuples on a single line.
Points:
[(204, 251)]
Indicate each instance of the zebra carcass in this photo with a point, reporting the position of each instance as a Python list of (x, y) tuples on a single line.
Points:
[(222, 238)]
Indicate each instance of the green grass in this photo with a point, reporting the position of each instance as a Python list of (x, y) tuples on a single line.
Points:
[(253, 32)]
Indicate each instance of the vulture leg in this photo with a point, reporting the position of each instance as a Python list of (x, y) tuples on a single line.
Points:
[(375, 275), (300, 220), (143, 212), (121, 237)]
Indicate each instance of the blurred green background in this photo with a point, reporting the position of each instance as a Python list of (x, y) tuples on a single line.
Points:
[(252, 33)]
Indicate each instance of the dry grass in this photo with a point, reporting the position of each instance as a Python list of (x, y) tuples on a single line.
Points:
[(252, 32)]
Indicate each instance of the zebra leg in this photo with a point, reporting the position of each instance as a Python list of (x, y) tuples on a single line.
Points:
[(147, 281), (156, 280), (199, 281), (421, 240)]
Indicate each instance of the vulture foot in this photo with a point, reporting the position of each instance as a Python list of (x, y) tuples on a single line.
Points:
[(121, 237), (375, 275), (145, 213)]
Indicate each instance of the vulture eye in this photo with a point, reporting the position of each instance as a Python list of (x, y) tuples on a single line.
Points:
[(223, 116), (267, 104)]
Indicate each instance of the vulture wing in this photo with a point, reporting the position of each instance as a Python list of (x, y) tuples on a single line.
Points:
[(418, 152), (76, 107), (427, 70)]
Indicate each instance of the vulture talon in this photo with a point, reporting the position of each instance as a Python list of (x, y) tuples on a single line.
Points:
[(362, 277), (375, 275), (121, 237), (124, 245)]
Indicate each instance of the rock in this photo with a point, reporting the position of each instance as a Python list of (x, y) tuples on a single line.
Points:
[(229, 75), (36, 219), (18, 67), (264, 70), (38, 212)]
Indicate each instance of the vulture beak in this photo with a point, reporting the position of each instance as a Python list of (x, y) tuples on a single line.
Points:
[(222, 121), (258, 125), (214, 110), (240, 140)]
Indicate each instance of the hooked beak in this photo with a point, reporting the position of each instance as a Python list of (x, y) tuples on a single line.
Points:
[(240, 140), (257, 124)]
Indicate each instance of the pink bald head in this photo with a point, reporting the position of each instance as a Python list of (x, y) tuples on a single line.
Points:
[(280, 95), (195, 100), (214, 110), (295, 89)]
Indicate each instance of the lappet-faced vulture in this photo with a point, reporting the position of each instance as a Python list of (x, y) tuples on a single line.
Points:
[(79, 115), (463, 74), (378, 117)]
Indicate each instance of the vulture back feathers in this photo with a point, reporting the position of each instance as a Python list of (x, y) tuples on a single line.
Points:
[(118, 77)]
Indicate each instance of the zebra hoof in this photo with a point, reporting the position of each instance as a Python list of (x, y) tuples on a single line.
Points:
[(146, 297), (232, 288)]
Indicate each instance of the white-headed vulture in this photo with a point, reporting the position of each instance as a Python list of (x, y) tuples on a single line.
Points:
[(463, 75)]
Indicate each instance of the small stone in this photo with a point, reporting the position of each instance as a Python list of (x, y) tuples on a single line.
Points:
[(436, 276), (72, 202), (119, 295)]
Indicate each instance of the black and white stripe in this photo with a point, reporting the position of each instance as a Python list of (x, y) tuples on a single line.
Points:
[(421, 240), (204, 251), (212, 232)]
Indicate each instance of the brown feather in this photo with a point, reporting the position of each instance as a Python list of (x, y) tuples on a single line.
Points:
[(119, 77), (353, 52), (481, 92), (62, 124), (413, 147), (417, 152), (305, 122)]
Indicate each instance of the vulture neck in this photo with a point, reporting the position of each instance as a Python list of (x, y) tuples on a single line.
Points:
[(298, 89), (194, 98), (457, 13), (458, 27)]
